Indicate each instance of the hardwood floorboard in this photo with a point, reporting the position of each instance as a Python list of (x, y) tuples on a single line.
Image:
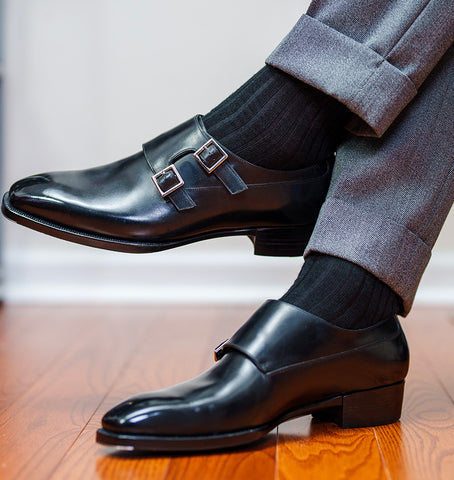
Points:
[(421, 445), (242, 464), (255, 462), (44, 422), (179, 345), (62, 368), (313, 450), (27, 350), (436, 329)]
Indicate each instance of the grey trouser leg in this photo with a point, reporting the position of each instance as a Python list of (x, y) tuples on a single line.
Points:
[(389, 196), (372, 55)]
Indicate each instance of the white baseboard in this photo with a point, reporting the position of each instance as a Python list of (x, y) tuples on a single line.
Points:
[(195, 274), (437, 284), (186, 275)]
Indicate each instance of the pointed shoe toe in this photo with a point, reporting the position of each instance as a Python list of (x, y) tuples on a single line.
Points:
[(26, 192), (283, 363), (183, 187)]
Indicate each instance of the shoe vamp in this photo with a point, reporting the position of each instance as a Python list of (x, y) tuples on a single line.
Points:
[(228, 397), (117, 200)]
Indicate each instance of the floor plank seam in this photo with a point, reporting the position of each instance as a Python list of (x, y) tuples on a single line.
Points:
[(66, 353), (382, 456), (137, 345), (276, 456), (434, 370), (62, 352)]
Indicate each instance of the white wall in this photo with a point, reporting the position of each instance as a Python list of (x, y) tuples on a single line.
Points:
[(87, 82)]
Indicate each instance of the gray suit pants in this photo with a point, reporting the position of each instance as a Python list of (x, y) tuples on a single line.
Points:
[(392, 63)]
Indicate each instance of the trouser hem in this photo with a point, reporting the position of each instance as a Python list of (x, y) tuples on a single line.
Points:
[(388, 250), (371, 87)]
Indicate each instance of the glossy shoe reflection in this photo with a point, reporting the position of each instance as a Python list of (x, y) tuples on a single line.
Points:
[(283, 363)]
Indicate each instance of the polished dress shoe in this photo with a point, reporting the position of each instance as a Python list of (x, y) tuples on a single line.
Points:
[(183, 187), (281, 364)]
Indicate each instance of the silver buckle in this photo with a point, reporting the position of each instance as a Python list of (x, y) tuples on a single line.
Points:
[(218, 351), (205, 147), (171, 189)]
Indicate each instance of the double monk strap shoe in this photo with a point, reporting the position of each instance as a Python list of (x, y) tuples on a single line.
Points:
[(281, 364), (184, 186)]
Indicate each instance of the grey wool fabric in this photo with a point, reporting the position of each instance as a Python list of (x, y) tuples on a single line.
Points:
[(371, 55), (392, 64)]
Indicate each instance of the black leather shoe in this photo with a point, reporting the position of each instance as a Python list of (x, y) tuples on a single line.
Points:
[(283, 363), (183, 187)]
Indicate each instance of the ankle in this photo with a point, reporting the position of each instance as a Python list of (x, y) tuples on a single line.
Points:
[(342, 293), (279, 122)]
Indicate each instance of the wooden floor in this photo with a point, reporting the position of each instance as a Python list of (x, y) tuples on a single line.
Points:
[(62, 367)]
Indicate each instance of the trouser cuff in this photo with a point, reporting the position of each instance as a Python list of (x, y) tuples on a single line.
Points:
[(388, 250), (370, 86)]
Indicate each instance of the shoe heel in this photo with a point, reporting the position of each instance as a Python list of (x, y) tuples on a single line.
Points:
[(281, 242), (369, 408)]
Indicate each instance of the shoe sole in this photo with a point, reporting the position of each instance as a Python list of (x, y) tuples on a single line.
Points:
[(366, 408), (268, 241)]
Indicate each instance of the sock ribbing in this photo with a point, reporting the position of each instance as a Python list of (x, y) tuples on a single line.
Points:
[(278, 122), (342, 293)]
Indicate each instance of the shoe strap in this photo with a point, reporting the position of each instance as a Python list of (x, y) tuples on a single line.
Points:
[(213, 158), (209, 154), (168, 181), (279, 336)]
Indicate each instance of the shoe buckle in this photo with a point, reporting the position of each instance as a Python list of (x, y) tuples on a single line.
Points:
[(219, 350), (165, 183), (210, 155)]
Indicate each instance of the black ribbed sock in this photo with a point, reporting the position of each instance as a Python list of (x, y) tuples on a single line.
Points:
[(278, 122), (342, 293)]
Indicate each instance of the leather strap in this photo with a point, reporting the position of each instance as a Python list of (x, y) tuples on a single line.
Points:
[(210, 155), (214, 160), (181, 200), (280, 335), (230, 179), (227, 346)]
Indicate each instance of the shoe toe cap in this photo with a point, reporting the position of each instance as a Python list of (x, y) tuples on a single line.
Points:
[(136, 416), (30, 192), (117, 418)]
